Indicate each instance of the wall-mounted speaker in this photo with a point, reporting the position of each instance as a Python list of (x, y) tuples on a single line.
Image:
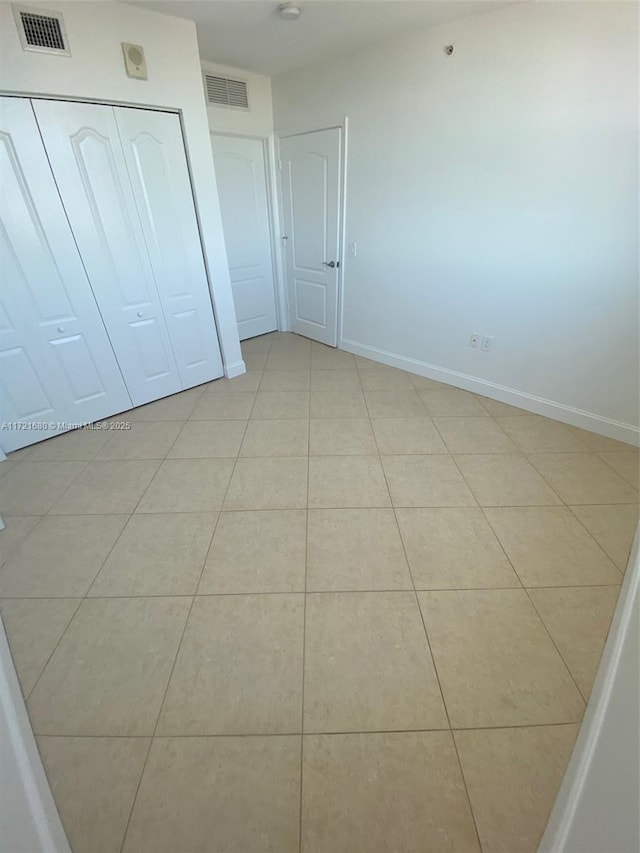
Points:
[(134, 61)]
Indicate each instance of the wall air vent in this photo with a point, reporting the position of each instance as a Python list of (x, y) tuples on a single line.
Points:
[(41, 30), (226, 93)]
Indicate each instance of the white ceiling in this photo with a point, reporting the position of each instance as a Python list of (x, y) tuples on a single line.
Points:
[(249, 34)]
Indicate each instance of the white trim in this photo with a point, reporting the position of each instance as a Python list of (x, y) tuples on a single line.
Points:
[(341, 124), (35, 823), (538, 405), (235, 369), (583, 775)]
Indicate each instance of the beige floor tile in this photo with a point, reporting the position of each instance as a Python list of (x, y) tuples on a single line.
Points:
[(368, 665), (496, 663), (279, 483), (246, 382), (381, 792), (94, 783), (177, 407), (347, 481), (33, 628), (474, 435), (32, 488), (223, 407), (78, 444), (384, 378), (625, 464), (255, 360), (513, 776), (276, 438), (355, 549), (597, 442), (260, 551), (578, 620), (188, 485), (61, 557), (288, 360), (500, 410), (219, 795), (16, 529), (426, 481), (423, 383), (613, 528), (501, 479), (262, 343), (407, 436), (328, 358), (208, 440), (341, 436), (285, 380), (453, 549), (239, 669), (335, 380), (278, 405), (338, 404), (548, 547), (110, 670), (157, 555), (394, 404), (145, 440), (534, 433), (451, 403), (107, 487), (7, 464), (583, 478)]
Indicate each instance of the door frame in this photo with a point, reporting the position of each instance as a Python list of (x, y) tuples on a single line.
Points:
[(279, 279), (341, 124)]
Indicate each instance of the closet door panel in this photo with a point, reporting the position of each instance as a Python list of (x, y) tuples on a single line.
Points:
[(156, 161), (84, 149), (57, 361)]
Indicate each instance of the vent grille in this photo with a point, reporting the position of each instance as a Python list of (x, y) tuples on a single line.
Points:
[(41, 30), (228, 93)]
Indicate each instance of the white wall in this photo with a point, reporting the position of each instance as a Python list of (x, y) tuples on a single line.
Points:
[(495, 191), (95, 71), (258, 121)]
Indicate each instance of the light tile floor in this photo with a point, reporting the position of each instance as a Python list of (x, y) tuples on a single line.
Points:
[(326, 606)]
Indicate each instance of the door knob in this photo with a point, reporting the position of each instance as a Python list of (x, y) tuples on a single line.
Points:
[(331, 264), (139, 313), (60, 330)]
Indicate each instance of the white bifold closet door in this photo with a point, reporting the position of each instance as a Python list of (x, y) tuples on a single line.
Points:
[(123, 178), (57, 366)]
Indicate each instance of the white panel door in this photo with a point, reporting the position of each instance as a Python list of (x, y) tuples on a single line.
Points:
[(242, 190), (56, 362), (156, 161), (310, 201), (83, 146)]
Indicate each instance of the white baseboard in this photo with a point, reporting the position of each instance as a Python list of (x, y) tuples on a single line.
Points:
[(538, 405), (235, 369)]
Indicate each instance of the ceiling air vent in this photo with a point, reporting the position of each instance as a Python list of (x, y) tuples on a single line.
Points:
[(225, 92), (41, 30)]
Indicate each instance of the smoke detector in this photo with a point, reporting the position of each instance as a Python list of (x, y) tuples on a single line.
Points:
[(289, 11)]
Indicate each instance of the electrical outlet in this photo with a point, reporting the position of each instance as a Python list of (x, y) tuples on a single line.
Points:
[(474, 340), (487, 343), (352, 249)]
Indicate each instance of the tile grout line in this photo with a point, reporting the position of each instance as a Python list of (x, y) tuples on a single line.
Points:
[(304, 628), (426, 634)]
